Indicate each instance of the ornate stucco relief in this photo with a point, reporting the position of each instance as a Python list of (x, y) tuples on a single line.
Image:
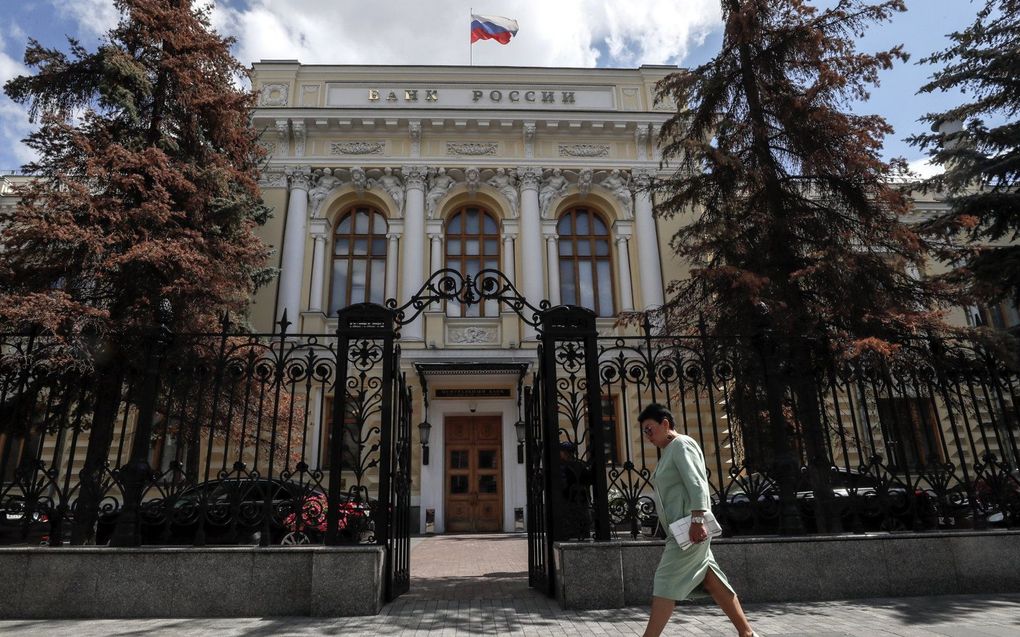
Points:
[(273, 180), (472, 149), (357, 148), (584, 150), (274, 94), (472, 335)]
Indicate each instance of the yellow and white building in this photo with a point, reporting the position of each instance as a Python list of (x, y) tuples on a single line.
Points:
[(380, 176)]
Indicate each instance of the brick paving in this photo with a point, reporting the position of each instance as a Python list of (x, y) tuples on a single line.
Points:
[(477, 585)]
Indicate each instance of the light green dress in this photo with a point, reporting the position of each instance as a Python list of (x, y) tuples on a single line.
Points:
[(681, 486)]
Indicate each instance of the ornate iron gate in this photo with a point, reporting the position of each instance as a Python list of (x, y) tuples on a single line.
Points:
[(564, 331), (538, 540), (566, 493), (371, 390)]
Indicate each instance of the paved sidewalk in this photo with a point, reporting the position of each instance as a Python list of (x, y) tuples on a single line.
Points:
[(955, 616), (477, 585)]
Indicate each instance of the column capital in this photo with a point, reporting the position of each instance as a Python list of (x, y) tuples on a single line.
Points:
[(621, 238), (509, 236), (393, 236), (415, 177), (435, 236), (530, 177), (551, 237), (642, 179), (300, 177)]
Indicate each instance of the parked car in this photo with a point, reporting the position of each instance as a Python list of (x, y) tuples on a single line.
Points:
[(19, 526), (229, 511), (864, 502)]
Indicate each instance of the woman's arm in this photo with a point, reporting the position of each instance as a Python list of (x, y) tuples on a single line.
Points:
[(690, 462), (691, 465)]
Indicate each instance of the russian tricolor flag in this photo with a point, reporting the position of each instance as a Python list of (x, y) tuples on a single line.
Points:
[(492, 27)]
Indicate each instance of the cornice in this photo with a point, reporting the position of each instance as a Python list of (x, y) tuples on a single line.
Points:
[(602, 163), (355, 73), (396, 116)]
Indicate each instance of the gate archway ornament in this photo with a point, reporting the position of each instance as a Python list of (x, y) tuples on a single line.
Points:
[(449, 284)]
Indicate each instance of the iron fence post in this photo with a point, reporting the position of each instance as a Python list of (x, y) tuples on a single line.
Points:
[(596, 430), (336, 438)]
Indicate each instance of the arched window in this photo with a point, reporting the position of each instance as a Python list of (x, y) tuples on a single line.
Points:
[(586, 272), (472, 244), (359, 259)]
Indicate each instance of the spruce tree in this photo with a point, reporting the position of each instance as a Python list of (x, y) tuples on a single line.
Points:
[(792, 225), (977, 144), (145, 196)]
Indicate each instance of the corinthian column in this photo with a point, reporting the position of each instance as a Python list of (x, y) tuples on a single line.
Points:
[(508, 256), (552, 257), (623, 266), (391, 263), (532, 276), (413, 268), (649, 264), (293, 253), (436, 241), (318, 265)]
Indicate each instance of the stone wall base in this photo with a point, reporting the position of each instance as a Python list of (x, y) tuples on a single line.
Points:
[(84, 582), (616, 574)]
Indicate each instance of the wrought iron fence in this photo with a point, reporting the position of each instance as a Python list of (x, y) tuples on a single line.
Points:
[(924, 440), (216, 438), (207, 439)]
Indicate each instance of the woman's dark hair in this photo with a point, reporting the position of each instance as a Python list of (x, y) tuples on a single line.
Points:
[(658, 413)]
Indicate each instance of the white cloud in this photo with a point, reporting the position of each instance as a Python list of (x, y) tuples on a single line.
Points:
[(563, 33), (14, 124), (924, 168), (659, 31), (94, 17)]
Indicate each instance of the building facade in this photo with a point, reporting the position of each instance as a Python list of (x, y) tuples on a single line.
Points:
[(380, 176)]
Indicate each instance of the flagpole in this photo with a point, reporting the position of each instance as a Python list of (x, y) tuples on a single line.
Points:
[(471, 45)]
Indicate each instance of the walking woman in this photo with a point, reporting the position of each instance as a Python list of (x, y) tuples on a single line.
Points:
[(681, 484)]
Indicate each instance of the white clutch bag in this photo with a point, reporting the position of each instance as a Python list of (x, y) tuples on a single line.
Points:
[(681, 529)]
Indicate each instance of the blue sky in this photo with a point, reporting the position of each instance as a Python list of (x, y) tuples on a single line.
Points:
[(562, 33)]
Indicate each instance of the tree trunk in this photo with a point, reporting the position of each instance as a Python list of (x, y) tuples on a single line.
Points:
[(819, 465), (109, 381), (783, 263), (783, 466)]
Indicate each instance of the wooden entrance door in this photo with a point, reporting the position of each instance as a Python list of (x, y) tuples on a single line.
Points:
[(474, 480)]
